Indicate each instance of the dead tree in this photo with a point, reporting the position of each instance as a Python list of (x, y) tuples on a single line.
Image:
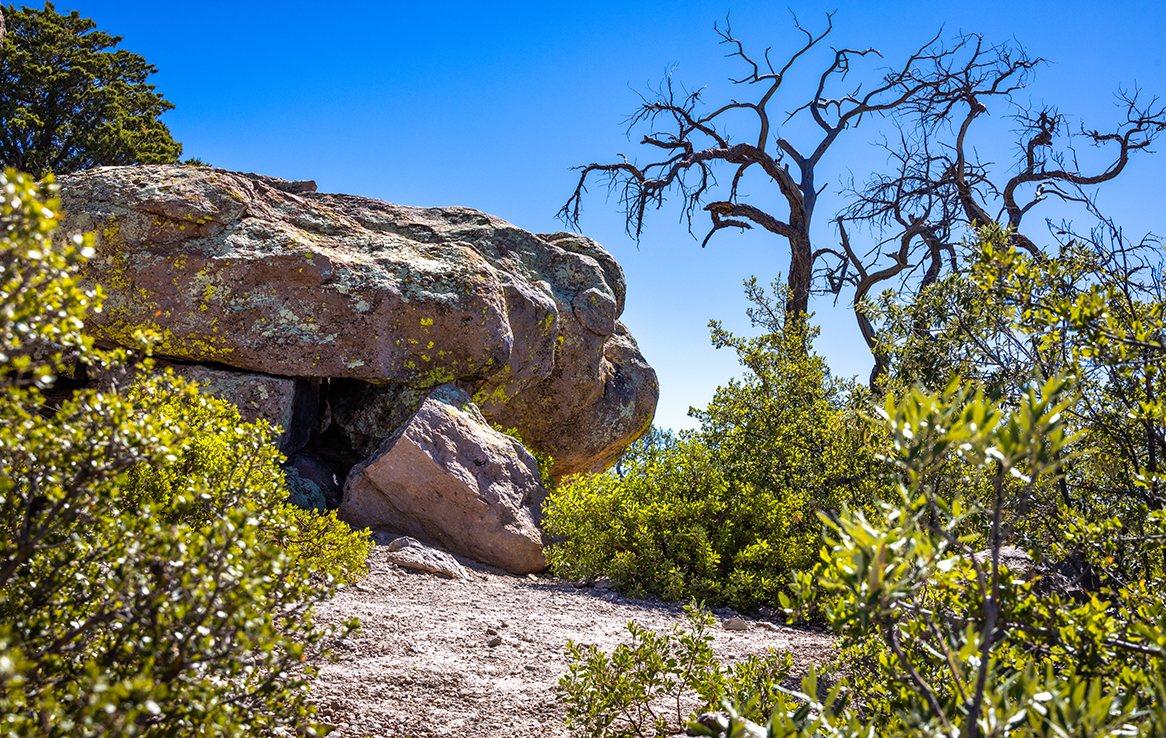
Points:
[(939, 190), (936, 190), (694, 145)]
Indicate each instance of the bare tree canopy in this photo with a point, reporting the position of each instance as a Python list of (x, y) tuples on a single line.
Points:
[(938, 189)]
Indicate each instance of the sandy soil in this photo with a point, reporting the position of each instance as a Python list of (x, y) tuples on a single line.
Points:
[(423, 665)]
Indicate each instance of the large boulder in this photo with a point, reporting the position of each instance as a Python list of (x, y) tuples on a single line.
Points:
[(449, 478), (270, 276)]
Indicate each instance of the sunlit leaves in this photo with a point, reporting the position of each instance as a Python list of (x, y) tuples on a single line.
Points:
[(640, 688), (161, 609)]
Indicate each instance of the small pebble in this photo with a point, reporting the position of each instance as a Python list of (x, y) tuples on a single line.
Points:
[(736, 624), (495, 641)]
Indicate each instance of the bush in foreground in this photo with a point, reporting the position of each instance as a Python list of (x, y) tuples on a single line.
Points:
[(122, 611), (939, 636), (208, 471), (642, 688)]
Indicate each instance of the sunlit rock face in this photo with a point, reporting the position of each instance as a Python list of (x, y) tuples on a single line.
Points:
[(380, 302), (446, 476)]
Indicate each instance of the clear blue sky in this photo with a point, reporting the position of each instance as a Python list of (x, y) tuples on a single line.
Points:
[(488, 105)]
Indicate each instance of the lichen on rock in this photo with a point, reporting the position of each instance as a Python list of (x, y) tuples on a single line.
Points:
[(270, 276)]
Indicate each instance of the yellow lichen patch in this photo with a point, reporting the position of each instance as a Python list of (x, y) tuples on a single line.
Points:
[(121, 331), (435, 377), (110, 244), (495, 395)]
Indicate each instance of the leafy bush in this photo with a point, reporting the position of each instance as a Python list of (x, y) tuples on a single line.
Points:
[(658, 529), (126, 612), (939, 635), (640, 688), (1051, 444), (726, 513), (941, 639), (208, 470)]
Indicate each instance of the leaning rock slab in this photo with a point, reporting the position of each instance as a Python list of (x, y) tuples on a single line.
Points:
[(447, 477)]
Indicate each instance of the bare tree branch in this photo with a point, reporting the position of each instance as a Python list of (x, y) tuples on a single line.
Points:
[(936, 190)]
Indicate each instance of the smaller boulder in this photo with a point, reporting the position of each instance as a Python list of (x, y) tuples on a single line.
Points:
[(413, 554), (447, 477)]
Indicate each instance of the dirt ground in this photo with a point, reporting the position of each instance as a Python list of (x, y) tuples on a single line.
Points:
[(423, 663)]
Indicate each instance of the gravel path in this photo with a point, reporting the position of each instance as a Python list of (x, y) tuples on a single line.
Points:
[(422, 665)]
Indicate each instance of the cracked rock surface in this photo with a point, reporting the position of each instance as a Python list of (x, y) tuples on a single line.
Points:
[(270, 276)]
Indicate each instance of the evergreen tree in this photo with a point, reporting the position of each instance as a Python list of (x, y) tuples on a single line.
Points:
[(70, 100)]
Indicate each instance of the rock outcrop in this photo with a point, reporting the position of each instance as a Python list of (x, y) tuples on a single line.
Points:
[(373, 333), (269, 276), (449, 478)]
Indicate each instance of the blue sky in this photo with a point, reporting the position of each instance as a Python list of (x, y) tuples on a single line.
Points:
[(489, 105)]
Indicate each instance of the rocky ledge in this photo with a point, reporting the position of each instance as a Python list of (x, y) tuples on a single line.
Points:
[(338, 317)]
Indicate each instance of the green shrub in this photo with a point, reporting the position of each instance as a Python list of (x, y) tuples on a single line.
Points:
[(639, 688), (658, 530), (207, 472), (1052, 445), (130, 611), (725, 514), (938, 640)]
